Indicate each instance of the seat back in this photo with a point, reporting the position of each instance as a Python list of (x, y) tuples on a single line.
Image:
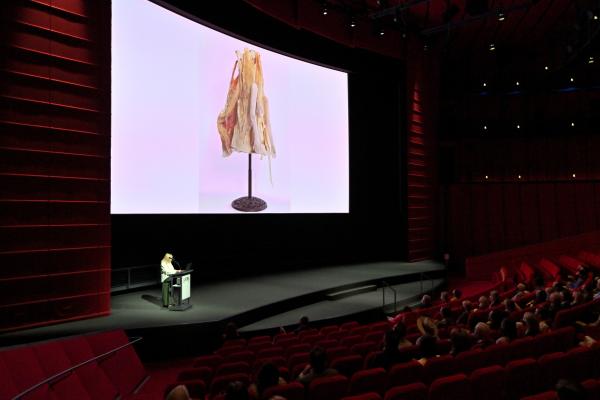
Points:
[(405, 373), (368, 380), (290, 391), (523, 378), (347, 365), (413, 391), (489, 380), (328, 388), (454, 387)]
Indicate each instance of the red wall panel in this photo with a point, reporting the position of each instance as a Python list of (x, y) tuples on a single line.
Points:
[(54, 162)]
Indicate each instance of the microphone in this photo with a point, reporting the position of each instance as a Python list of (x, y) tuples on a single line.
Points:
[(176, 263)]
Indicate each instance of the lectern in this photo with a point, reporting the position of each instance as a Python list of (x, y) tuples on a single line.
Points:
[(179, 285)]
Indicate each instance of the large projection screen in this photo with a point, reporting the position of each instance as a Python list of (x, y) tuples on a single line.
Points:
[(171, 77)]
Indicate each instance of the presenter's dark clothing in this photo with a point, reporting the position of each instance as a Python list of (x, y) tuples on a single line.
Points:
[(165, 293)]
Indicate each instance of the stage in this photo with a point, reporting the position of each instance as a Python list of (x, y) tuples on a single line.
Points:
[(260, 303)]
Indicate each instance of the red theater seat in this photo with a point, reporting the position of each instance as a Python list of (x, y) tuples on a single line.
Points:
[(212, 361), (244, 356), (219, 383), (53, 361), (405, 373), (368, 380), (489, 380), (523, 378), (8, 389), (199, 373), (347, 365), (326, 330), (364, 396), (287, 342), (298, 348), (592, 387), (259, 339), (348, 325), (437, 367), (414, 391), (94, 379), (256, 347), (339, 351), (455, 387), (520, 348), (350, 341), (123, 367), (363, 348), (234, 342), (274, 351), (225, 351), (327, 343), (239, 367), (550, 395), (290, 391), (469, 361), (298, 358), (328, 388), (25, 371)]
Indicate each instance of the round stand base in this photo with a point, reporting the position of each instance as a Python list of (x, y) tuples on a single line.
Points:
[(249, 204)]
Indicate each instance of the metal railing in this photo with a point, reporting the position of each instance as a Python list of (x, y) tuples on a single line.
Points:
[(384, 286), (423, 277), (135, 277), (60, 375)]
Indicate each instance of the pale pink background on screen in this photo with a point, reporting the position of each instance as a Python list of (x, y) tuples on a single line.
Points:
[(170, 78)]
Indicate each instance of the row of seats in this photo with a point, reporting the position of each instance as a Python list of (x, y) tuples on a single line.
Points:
[(517, 379), (118, 374), (591, 386)]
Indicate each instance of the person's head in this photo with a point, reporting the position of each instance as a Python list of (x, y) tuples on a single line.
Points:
[(508, 329), (521, 287), (570, 390), (427, 346), (400, 330), (318, 359), (426, 300), (236, 390), (567, 296), (510, 305), (532, 325), (466, 305), (484, 303), (304, 320), (577, 297), (538, 281), (444, 297), (230, 330), (541, 296), (446, 312), (482, 331), (390, 341), (495, 318), (555, 298), (582, 272), (460, 339), (494, 296), (168, 258), (457, 293), (179, 392), (267, 376)]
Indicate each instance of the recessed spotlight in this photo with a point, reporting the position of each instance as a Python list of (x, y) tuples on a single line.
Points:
[(519, 176), (485, 127), (518, 126), (596, 17), (492, 47), (572, 124), (590, 60), (486, 177), (352, 23), (325, 10), (517, 83), (574, 176), (501, 16), (381, 32), (572, 79), (484, 84), (546, 68)]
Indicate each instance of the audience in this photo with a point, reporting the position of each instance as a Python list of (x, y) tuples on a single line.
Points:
[(316, 368), (427, 348), (267, 376), (508, 331), (461, 341), (390, 354), (532, 325), (179, 392), (303, 324), (400, 329), (456, 295), (482, 336)]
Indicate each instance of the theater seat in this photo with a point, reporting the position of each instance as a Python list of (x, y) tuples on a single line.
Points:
[(328, 388), (239, 367), (405, 373), (211, 360), (437, 367), (347, 365), (219, 383), (592, 387), (523, 378), (290, 391), (368, 380), (553, 368), (8, 389), (550, 395), (489, 380), (364, 396), (454, 387), (413, 391), (191, 374), (245, 356), (25, 371), (471, 360)]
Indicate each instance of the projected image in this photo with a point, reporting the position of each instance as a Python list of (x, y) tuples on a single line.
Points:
[(194, 109)]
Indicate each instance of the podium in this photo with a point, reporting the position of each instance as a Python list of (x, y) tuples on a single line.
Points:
[(179, 290)]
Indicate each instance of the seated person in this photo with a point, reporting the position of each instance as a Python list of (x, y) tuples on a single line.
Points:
[(532, 325), (482, 336), (508, 331), (390, 354), (166, 269), (495, 299), (231, 331), (400, 330), (316, 368), (463, 318), (303, 324), (179, 392), (427, 348), (236, 390), (267, 376), (456, 295), (461, 341)]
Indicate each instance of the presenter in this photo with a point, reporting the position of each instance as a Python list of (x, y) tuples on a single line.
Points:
[(166, 269)]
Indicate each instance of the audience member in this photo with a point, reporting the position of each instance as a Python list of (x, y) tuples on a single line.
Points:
[(482, 334), (570, 390), (267, 376), (495, 318), (532, 325), (520, 293), (425, 301), (316, 368), (303, 324), (461, 341), (484, 303), (463, 318), (447, 319), (236, 390), (400, 330), (427, 348), (508, 331), (444, 297), (456, 295), (179, 392), (390, 354), (231, 331), (495, 299)]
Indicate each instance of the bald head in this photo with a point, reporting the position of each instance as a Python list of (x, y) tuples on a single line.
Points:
[(179, 392)]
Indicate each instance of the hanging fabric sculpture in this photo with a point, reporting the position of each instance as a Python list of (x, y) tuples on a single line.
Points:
[(244, 122)]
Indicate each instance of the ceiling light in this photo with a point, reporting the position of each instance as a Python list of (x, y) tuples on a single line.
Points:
[(572, 124), (352, 23), (572, 79), (517, 83), (518, 126), (492, 47), (501, 16), (324, 10), (546, 68), (574, 176), (484, 84), (591, 60), (596, 17), (486, 177), (519, 176), (381, 32), (485, 127)]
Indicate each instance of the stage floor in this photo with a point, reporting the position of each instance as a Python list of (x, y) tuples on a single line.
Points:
[(258, 302)]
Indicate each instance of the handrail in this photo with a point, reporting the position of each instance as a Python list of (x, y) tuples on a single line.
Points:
[(384, 285), (431, 279), (59, 375)]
